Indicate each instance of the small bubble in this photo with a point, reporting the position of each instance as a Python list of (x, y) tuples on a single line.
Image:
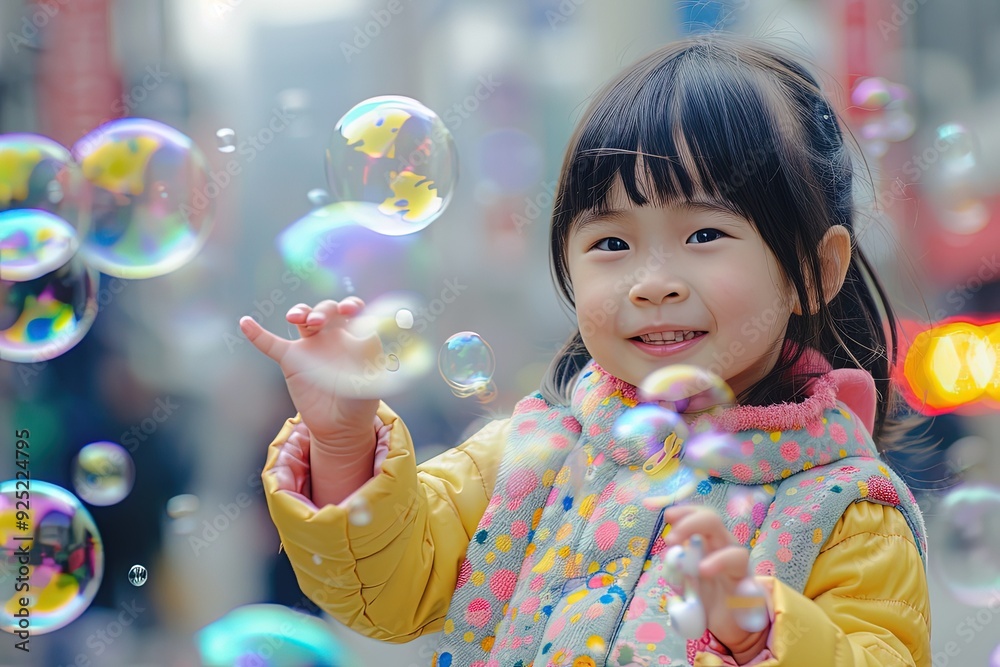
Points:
[(318, 197), (317, 559), (226, 138), (137, 575), (182, 505), (404, 318), (348, 285), (392, 363)]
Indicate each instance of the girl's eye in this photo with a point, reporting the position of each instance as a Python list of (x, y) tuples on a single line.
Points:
[(614, 244), (705, 235)]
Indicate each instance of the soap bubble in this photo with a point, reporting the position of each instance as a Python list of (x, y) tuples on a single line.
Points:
[(34, 242), (687, 389), (968, 559), (404, 319), (891, 116), (153, 200), (42, 318), (395, 159), (318, 197), (712, 451), (466, 363), (38, 173), (271, 635), (964, 217), (183, 505), (645, 427), (65, 555), (958, 147), (103, 473), (337, 256), (871, 93), (226, 140)]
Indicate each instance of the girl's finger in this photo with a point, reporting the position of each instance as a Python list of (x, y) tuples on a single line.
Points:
[(265, 341), (351, 306), (732, 562), (704, 522), (297, 313)]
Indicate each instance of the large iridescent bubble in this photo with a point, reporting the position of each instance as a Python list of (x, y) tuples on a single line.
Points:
[(38, 173), (968, 559), (34, 242), (687, 389), (270, 635), (153, 202), (54, 544), (42, 318), (658, 435), (103, 473), (327, 249), (396, 160)]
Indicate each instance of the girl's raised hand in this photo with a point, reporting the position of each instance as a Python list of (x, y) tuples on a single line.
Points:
[(725, 563), (331, 373)]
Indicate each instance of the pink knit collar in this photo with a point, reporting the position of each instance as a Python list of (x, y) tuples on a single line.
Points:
[(853, 387)]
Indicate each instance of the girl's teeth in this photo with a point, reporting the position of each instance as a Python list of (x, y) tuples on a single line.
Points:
[(667, 337)]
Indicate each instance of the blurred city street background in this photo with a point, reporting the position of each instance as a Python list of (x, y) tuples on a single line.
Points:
[(165, 372)]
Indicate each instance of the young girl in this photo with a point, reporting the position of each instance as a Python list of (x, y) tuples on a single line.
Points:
[(704, 216)]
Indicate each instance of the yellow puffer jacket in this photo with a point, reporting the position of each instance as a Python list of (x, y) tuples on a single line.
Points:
[(393, 578)]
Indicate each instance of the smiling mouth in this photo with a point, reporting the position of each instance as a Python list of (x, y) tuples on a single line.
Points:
[(668, 337)]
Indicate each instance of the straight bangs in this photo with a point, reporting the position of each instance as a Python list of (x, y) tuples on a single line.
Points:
[(680, 139)]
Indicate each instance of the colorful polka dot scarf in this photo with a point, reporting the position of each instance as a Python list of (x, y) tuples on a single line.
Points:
[(566, 566)]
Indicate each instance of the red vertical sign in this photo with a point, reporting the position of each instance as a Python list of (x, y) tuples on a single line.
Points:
[(78, 80)]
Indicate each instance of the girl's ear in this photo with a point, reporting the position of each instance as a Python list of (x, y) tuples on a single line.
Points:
[(834, 252)]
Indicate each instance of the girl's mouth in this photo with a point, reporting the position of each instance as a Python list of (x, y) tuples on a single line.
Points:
[(659, 345), (668, 337)]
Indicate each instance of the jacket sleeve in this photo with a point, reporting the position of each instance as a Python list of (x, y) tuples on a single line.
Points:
[(866, 602), (390, 574)]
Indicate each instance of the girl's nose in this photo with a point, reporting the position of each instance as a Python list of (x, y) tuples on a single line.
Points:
[(656, 289)]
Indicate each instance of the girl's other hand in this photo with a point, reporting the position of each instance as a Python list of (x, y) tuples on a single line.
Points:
[(331, 373), (724, 565)]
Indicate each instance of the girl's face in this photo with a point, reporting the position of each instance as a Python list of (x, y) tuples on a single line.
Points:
[(683, 268)]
